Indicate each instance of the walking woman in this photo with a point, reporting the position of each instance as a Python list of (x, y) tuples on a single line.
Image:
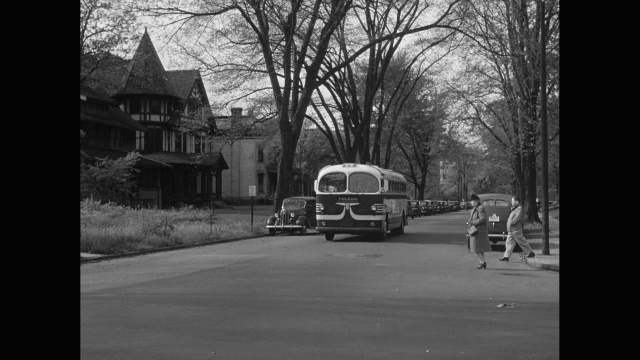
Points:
[(479, 241)]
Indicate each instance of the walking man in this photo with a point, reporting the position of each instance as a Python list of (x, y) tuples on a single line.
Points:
[(516, 232)]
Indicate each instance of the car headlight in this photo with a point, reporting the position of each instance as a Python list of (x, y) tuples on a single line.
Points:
[(276, 215), (292, 215)]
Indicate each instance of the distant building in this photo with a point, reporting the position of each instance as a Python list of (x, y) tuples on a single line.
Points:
[(251, 163)]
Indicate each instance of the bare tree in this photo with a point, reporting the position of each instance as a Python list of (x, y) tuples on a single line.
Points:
[(285, 41), (361, 96), (106, 29), (504, 60)]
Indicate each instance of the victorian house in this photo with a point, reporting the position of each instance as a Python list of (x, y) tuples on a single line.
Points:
[(171, 109)]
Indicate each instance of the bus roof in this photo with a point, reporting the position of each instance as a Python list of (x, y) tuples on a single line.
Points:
[(349, 168)]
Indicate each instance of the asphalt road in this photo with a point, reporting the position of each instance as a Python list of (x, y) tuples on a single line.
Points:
[(413, 296)]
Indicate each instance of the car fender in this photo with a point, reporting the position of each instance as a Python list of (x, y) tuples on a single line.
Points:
[(302, 220), (271, 220)]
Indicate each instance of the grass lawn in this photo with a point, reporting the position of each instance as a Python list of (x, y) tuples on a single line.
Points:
[(111, 229)]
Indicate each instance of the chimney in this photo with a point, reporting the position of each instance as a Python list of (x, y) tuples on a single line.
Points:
[(236, 111)]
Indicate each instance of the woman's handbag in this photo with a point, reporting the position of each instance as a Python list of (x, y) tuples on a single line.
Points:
[(471, 230)]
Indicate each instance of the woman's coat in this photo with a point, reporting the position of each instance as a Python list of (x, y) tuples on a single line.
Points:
[(479, 242)]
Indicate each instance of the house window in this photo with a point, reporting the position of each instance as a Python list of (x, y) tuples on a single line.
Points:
[(198, 183), (116, 139), (165, 140), (192, 108), (134, 106), (189, 146), (260, 155), (154, 106), (177, 142), (139, 140), (261, 183), (157, 137), (198, 145)]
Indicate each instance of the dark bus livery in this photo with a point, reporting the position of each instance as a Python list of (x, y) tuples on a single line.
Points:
[(359, 199)]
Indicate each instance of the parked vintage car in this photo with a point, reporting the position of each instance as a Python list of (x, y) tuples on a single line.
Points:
[(433, 206), (414, 208), (498, 207), (441, 207), (427, 207), (298, 213), (454, 206)]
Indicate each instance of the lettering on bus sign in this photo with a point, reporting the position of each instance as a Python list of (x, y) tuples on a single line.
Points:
[(347, 198)]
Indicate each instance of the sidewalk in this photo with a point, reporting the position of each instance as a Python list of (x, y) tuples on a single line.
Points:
[(549, 262)]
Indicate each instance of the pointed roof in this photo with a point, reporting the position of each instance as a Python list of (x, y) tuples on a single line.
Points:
[(183, 81), (146, 75)]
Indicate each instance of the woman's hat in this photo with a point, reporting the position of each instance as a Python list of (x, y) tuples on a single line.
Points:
[(475, 197)]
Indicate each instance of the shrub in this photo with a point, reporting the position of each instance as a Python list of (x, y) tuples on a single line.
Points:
[(110, 180)]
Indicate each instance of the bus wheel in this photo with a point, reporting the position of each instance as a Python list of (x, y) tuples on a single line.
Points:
[(329, 236), (401, 229), (303, 229), (382, 235)]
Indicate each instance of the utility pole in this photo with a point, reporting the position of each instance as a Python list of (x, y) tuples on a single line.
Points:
[(543, 134)]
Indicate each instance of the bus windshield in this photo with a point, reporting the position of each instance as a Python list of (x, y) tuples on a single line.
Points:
[(363, 183), (333, 182)]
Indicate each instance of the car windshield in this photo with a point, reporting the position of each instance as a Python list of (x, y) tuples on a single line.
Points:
[(333, 182), (502, 203), (363, 183), (288, 204)]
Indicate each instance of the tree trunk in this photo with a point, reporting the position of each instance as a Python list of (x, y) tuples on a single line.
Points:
[(531, 208), (285, 173)]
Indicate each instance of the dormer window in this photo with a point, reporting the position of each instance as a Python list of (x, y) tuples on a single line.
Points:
[(192, 108)]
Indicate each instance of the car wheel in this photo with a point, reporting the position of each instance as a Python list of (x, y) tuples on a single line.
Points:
[(329, 236), (272, 232), (303, 229)]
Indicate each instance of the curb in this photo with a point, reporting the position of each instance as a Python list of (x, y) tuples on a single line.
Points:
[(170, 248), (547, 267)]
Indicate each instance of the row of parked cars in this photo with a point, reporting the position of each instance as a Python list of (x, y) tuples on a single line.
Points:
[(420, 208)]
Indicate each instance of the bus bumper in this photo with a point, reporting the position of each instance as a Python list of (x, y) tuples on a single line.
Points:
[(349, 230)]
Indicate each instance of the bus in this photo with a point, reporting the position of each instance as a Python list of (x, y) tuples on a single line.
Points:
[(360, 199)]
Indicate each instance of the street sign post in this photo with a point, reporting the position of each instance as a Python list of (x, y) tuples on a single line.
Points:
[(252, 193)]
